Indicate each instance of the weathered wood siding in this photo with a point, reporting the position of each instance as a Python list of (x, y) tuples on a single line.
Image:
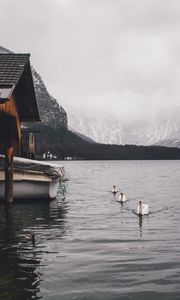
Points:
[(10, 125), (11, 109)]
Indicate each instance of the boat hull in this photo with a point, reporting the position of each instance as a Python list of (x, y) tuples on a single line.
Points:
[(31, 185)]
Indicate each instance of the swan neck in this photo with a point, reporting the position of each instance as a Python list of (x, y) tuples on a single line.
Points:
[(140, 209)]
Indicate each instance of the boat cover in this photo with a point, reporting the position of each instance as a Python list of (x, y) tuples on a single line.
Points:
[(23, 164)]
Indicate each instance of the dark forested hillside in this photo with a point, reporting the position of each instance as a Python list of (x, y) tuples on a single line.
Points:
[(117, 152), (65, 143)]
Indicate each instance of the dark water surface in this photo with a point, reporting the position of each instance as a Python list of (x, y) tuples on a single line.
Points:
[(87, 245)]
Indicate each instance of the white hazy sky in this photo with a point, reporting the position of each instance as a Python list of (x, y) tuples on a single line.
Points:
[(122, 55)]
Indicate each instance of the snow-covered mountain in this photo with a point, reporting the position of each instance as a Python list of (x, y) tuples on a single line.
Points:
[(100, 128), (106, 128)]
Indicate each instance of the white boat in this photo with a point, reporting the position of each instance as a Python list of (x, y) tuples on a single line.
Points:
[(32, 179)]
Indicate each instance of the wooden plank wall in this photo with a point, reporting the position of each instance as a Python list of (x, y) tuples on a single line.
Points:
[(10, 131)]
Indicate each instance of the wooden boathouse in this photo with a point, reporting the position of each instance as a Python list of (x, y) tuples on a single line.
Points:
[(17, 104)]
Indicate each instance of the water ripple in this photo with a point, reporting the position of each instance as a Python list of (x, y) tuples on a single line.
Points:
[(88, 246)]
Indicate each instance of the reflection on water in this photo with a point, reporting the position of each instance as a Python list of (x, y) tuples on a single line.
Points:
[(140, 222), (20, 258), (88, 245)]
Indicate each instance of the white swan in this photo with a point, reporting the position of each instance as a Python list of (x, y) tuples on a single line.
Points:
[(114, 190), (122, 197), (142, 209)]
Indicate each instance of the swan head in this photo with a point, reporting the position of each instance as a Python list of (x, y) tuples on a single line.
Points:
[(114, 190)]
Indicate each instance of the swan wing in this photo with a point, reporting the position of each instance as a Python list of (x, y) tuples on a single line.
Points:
[(145, 209), (124, 198)]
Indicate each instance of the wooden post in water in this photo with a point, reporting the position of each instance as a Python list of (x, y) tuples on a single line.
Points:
[(9, 151)]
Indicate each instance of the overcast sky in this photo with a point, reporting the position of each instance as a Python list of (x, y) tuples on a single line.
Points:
[(122, 55)]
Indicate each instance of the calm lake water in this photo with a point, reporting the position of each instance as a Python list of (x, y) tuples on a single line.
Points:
[(87, 245)]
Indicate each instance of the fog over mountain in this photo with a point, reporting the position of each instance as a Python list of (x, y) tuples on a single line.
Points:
[(160, 129)]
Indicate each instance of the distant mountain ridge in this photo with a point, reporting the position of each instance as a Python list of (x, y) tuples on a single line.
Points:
[(104, 128)]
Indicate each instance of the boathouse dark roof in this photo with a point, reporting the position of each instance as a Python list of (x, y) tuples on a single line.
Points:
[(16, 79)]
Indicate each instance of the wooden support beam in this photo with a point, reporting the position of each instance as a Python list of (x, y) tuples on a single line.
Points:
[(9, 152)]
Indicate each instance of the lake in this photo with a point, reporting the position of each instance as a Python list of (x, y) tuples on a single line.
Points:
[(90, 247)]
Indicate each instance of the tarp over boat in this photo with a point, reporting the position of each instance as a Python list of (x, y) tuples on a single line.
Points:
[(23, 164)]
